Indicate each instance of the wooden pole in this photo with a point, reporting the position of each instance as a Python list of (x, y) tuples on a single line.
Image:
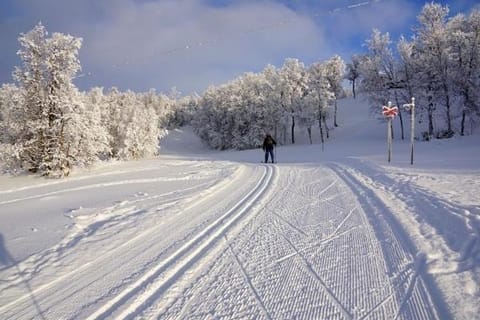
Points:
[(411, 107), (389, 134), (412, 130), (389, 138)]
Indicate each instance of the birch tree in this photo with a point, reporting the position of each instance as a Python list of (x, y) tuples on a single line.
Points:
[(353, 72), (434, 57), (52, 105), (293, 87), (464, 41), (335, 73), (320, 95)]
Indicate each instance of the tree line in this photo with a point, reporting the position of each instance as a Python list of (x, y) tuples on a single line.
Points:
[(439, 66), (48, 126), (238, 114)]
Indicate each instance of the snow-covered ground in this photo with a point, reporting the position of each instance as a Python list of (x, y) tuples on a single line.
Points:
[(198, 234)]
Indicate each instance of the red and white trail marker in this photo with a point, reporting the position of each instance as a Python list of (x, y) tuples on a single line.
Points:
[(389, 112)]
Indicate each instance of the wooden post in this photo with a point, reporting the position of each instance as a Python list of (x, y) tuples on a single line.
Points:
[(411, 107), (389, 139), (389, 134), (389, 112)]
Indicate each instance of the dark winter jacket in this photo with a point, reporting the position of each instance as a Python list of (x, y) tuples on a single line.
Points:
[(268, 143)]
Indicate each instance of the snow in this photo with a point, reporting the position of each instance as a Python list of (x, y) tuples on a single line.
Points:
[(200, 234)]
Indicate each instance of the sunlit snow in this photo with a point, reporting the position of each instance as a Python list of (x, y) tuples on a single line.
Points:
[(200, 234)]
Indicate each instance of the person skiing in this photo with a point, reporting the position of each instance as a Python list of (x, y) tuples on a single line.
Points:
[(268, 145)]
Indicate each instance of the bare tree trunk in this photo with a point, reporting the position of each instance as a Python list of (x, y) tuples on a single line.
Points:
[(324, 118), (321, 130), (430, 122), (400, 116), (309, 130), (462, 130), (335, 114), (293, 129), (430, 109), (447, 102)]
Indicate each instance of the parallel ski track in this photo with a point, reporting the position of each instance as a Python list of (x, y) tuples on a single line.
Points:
[(293, 260), (162, 276), (60, 281), (50, 256), (412, 292)]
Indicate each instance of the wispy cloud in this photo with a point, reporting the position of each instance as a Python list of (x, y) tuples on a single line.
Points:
[(190, 44)]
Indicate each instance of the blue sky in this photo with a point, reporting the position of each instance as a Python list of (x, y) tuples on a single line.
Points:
[(191, 44)]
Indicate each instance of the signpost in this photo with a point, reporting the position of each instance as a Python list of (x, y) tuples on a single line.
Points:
[(411, 107), (389, 112)]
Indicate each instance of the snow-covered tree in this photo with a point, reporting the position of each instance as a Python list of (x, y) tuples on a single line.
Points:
[(207, 122), (407, 67), (185, 109), (133, 127), (235, 115), (141, 134), (439, 67), (11, 113), (12, 126), (352, 72), (335, 73), (381, 76), (433, 54), (249, 118), (293, 87), (464, 43), (272, 112), (320, 95), (87, 136), (52, 108), (239, 113), (96, 103)]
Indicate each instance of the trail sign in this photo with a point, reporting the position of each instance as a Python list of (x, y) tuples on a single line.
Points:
[(389, 111)]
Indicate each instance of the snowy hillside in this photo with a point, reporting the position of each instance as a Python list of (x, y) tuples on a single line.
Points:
[(200, 234)]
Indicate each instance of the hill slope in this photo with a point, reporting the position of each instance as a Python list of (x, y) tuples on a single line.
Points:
[(338, 233)]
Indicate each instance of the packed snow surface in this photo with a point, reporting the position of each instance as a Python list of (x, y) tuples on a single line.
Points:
[(337, 233)]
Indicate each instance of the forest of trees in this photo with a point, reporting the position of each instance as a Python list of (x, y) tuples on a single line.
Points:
[(237, 115), (47, 126), (439, 66)]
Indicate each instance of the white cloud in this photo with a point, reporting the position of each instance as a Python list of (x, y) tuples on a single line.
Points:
[(190, 44)]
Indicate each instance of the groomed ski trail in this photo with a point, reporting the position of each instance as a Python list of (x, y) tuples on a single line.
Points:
[(169, 232), (268, 241), (313, 251), (159, 278), (428, 225)]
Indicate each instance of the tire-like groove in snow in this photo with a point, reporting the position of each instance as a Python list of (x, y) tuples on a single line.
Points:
[(413, 292), (322, 283), (97, 261), (249, 282), (162, 276)]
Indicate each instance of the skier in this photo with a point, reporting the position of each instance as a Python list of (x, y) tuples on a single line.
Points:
[(268, 145)]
